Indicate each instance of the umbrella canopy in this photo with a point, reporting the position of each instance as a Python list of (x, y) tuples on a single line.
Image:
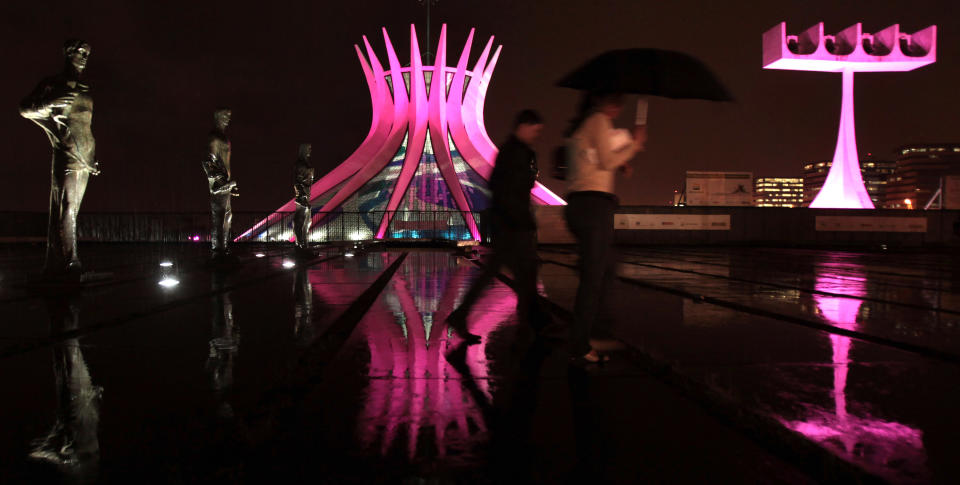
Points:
[(654, 72)]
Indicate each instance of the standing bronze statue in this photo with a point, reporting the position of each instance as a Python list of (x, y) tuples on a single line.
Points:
[(302, 182), (63, 107), (217, 167)]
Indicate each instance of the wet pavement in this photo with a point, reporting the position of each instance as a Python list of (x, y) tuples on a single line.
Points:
[(732, 365), (748, 325)]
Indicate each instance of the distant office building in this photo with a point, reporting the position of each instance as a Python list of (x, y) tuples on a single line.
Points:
[(718, 188), (778, 192), (918, 173), (875, 174), (814, 173)]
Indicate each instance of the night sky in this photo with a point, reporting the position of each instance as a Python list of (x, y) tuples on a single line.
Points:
[(290, 73)]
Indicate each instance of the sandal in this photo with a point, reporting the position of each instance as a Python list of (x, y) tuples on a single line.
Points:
[(594, 357), (459, 326)]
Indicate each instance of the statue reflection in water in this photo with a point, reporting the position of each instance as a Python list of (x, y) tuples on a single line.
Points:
[(72, 442), (63, 107), (302, 182), (302, 307), (224, 344)]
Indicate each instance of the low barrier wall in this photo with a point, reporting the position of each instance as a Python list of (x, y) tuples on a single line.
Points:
[(767, 225)]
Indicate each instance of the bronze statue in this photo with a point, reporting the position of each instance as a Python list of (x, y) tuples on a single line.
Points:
[(63, 107), (217, 167), (302, 181)]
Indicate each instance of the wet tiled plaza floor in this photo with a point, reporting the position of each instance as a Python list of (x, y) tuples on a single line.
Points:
[(730, 365)]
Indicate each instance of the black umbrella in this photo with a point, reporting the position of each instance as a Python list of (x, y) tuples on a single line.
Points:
[(655, 72)]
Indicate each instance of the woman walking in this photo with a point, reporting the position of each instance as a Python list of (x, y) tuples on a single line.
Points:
[(596, 151)]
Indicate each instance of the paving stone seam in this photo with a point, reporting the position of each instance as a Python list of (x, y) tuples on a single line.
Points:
[(764, 430), (97, 286), (924, 351), (834, 273), (307, 371), (23, 347), (871, 272), (798, 288)]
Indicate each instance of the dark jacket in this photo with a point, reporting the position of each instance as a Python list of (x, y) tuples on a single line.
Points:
[(514, 174)]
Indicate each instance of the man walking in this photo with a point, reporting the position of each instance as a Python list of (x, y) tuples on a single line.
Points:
[(514, 230)]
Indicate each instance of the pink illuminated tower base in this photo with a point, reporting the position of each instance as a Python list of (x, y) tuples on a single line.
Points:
[(849, 51), (427, 151)]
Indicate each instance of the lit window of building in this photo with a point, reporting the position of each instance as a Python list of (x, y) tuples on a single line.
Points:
[(778, 191), (874, 172)]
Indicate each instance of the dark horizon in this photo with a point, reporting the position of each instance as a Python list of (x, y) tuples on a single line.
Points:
[(291, 75)]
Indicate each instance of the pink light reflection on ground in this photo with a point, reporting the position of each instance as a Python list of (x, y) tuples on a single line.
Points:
[(412, 388), (873, 443)]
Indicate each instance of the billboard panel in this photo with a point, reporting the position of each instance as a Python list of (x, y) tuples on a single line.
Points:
[(719, 188), (688, 222)]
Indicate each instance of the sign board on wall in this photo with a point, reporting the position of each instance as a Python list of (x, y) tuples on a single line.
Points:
[(871, 224), (682, 222), (719, 188)]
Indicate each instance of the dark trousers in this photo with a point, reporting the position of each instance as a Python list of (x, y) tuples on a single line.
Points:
[(222, 217), (590, 218), (66, 192), (516, 250)]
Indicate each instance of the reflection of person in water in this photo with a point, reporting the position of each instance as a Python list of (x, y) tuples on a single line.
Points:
[(72, 442), (224, 342)]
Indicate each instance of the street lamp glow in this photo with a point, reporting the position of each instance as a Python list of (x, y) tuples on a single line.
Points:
[(166, 264), (259, 255), (288, 264), (348, 254)]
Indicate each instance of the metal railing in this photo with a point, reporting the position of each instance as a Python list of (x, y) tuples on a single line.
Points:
[(356, 226), (177, 227)]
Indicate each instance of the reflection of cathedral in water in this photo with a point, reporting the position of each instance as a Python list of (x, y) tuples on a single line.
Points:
[(415, 397), (879, 445), (72, 442)]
